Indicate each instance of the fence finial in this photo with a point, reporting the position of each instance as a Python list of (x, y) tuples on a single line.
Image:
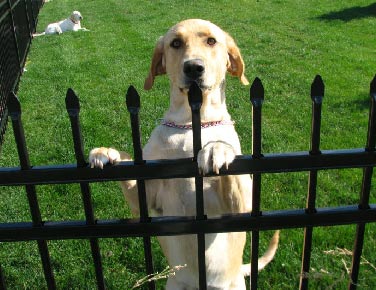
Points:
[(371, 135), (372, 88), (72, 102), (14, 106), (257, 93), (132, 100), (317, 90)]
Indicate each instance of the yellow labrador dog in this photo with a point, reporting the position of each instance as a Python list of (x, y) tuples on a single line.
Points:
[(196, 51), (72, 23)]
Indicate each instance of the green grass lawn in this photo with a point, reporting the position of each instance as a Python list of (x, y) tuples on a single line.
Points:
[(285, 43)]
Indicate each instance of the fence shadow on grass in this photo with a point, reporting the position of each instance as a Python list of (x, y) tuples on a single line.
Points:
[(348, 14)]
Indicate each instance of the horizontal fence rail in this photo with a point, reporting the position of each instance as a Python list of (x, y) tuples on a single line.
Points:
[(141, 170), (171, 226), (180, 168)]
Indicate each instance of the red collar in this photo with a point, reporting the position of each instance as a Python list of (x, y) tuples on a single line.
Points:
[(203, 125), (73, 21)]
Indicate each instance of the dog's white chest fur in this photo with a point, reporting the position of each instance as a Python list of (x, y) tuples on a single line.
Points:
[(178, 143)]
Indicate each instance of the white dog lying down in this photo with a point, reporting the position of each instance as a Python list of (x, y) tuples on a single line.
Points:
[(196, 50), (72, 23)]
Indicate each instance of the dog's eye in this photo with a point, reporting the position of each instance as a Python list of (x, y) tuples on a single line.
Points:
[(211, 41), (176, 43)]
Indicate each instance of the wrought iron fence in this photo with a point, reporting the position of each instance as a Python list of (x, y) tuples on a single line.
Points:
[(18, 20), (256, 164)]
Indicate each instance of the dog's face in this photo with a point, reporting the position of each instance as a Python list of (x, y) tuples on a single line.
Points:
[(196, 50), (76, 16)]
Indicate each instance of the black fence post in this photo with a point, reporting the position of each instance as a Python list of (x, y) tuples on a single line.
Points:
[(257, 99), (317, 94), (133, 106), (15, 114), (366, 189), (73, 108), (195, 102)]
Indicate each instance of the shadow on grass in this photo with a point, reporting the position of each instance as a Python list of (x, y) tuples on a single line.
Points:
[(362, 103), (348, 14)]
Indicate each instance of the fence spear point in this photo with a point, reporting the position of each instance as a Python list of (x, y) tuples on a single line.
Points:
[(257, 92), (132, 99), (317, 89), (14, 105), (195, 95), (373, 88), (71, 100)]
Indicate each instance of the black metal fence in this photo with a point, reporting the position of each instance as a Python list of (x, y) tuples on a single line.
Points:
[(18, 20), (256, 164)]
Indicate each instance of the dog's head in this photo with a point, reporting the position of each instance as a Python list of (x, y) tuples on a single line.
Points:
[(196, 50), (76, 16)]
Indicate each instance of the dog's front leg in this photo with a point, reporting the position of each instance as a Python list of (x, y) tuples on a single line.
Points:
[(58, 30), (98, 157), (234, 191)]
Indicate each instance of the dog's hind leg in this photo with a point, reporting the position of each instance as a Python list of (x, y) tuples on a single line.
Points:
[(38, 34)]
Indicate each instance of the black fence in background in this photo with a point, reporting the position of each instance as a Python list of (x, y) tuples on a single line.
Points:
[(256, 164), (18, 21)]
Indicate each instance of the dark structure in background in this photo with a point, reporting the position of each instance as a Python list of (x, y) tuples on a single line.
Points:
[(18, 20)]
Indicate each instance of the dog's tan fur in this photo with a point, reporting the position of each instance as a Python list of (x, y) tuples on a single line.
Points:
[(203, 43)]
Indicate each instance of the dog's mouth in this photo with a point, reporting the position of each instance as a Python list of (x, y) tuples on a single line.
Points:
[(188, 82)]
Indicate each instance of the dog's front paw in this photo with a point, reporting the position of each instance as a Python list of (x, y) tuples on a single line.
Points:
[(214, 155), (98, 157)]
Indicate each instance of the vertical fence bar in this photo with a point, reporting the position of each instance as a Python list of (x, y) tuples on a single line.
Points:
[(257, 99), (15, 38), (195, 102), (365, 190), (30, 17), (133, 106), (73, 109), (28, 20), (2, 279), (15, 114), (317, 94)]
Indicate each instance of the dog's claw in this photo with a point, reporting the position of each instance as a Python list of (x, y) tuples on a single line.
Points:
[(214, 156), (99, 157)]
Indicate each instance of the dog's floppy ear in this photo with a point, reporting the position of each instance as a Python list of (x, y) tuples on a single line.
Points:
[(157, 65), (236, 64)]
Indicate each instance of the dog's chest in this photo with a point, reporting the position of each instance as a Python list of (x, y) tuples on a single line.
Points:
[(180, 145), (169, 143), (173, 143)]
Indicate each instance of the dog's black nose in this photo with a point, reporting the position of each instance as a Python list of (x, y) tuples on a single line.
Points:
[(194, 68)]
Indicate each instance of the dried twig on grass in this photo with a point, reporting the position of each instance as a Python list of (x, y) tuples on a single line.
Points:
[(346, 252), (167, 272)]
